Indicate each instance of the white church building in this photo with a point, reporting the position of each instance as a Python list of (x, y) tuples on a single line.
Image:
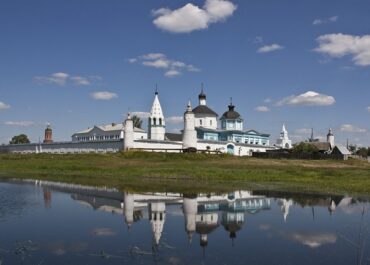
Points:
[(200, 133)]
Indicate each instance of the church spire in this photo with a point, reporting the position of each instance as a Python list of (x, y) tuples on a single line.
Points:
[(202, 97), (156, 123)]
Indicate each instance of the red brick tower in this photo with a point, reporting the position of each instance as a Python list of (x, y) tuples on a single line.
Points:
[(48, 134)]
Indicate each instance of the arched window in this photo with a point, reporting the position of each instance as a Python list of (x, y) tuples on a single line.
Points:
[(154, 121), (160, 121)]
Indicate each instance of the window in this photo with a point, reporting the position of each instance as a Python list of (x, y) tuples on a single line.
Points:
[(210, 122), (154, 121), (160, 121), (200, 122)]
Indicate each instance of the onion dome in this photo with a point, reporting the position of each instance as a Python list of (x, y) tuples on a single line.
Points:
[(231, 114), (202, 95)]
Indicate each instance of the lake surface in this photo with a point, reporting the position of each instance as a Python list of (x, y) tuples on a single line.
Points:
[(47, 223)]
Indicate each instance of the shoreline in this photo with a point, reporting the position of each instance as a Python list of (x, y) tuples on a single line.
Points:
[(190, 172)]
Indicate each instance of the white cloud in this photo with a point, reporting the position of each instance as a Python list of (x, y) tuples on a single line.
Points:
[(309, 98), (368, 108), (351, 129), (103, 95), (258, 39), (172, 73), (132, 60), (320, 21), (160, 61), (152, 56), (61, 79), (270, 48), (267, 100), (81, 81), (20, 123), (191, 17), (175, 119), (340, 45), (262, 109), (4, 106)]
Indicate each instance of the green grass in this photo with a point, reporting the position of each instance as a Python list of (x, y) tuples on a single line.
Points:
[(191, 172)]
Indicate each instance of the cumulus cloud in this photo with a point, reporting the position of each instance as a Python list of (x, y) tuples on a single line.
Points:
[(20, 123), (171, 67), (319, 21), (340, 45), (310, 98), (61, 79), (172, 73), (80, 80), (351, 129), (103, 95), (191, 17), (270, 48), (368, 108), (262, 109), (175, 119), (4, 106)]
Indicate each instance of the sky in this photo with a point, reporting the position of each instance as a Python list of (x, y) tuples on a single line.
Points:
[(80, 63)]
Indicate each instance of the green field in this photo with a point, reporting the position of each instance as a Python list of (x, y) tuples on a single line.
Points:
[(191, 172)]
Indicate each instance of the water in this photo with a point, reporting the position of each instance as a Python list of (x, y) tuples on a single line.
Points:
[(49, 224)]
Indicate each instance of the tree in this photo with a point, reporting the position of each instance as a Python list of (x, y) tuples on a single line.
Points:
[(363, 151), (20, 139), (305, 148), (137, 121), (352, 148)]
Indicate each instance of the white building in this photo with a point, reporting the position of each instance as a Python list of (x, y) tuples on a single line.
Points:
[(156, 122), (204, 116), (284, 141), (200, 133), (113, 131)]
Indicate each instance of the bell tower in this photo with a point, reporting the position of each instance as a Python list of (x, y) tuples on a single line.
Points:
[(156, 123), (48, 134)]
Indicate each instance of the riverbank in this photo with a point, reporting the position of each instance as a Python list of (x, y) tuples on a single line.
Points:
[(190, 172)]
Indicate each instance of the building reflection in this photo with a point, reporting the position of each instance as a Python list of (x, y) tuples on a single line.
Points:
[(203, 214), (47, 197)]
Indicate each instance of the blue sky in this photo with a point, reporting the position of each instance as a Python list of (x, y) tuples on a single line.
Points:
[(80, 63)]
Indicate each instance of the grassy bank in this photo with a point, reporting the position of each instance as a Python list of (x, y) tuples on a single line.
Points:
[(190, 172)]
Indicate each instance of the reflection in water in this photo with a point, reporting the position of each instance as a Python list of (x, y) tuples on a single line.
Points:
[(84, 224)]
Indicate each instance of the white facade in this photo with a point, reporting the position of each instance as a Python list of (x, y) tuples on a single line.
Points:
[(330, 138), (114, 131), (128, 141), (284, 141), (189, 135), (156, 122), (205, 121)]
